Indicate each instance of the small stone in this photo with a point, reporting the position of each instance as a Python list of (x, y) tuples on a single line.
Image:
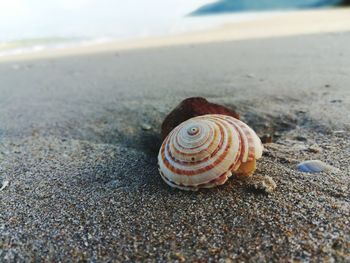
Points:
[(4, 184), (193, 107), (336, 101), (288, 160), (266, 138), (13, 221), (180, 256), (276, 135), (146, 126), (338, 243), (315, 148), (339, 132), (114, 183), (214, 251), (262, 183), (300, 138), (202, 240)]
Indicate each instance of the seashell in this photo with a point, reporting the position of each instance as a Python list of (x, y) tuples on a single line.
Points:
[(192, 107), (204, 151), (314, 166)]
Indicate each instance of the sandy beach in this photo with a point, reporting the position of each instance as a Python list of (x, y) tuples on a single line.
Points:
[(82, 172)]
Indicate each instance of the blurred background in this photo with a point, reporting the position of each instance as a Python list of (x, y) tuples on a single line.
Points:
[(36, 25)]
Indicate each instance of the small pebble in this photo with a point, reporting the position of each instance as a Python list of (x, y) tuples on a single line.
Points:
[(277, 134), (315, 148), (114, 183), (339, 132), (180, 257), (300, 138), (266, 138), (262, 183), (4, 185), (335, 101), (146, 127)]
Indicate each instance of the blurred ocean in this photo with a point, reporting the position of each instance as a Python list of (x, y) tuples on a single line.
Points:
[(226, 6), (35, 25)]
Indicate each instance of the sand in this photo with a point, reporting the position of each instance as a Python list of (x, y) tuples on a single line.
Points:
[(82, 172)]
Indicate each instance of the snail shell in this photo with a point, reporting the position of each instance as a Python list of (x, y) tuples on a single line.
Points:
[(203, 151)]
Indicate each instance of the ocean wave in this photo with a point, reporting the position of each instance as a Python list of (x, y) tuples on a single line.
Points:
[(32, 45), (228, 6)]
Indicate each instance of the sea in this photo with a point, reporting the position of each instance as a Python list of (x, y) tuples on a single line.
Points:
[(28, 26)]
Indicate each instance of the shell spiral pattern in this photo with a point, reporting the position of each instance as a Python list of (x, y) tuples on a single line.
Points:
[(202, 152)]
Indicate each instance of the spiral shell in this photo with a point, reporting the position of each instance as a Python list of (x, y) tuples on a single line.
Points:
[(203, 151)]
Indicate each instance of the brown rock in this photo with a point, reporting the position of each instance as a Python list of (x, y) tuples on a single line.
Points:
[(192, 107), (266, 138)]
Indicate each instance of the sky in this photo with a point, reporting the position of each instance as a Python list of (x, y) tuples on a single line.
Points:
[(22, 19)]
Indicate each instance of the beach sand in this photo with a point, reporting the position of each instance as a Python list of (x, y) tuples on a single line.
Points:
[(82, 171)]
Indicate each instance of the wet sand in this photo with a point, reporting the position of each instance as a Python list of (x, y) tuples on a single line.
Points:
[(82, 172)]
